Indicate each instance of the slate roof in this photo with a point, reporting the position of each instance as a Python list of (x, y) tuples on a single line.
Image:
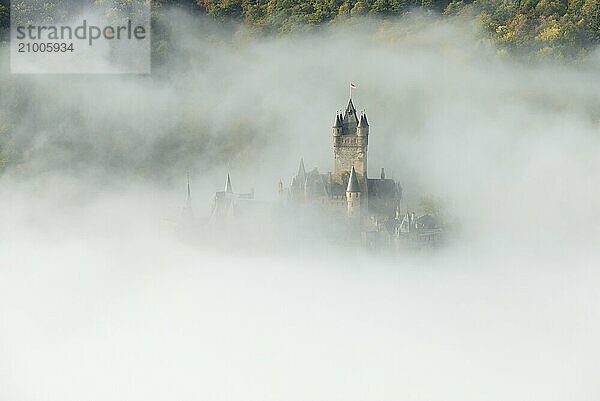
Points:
[(353, 182), (350, 120), (382, 188)]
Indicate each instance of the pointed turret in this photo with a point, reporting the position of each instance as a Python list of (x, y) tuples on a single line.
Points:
[(338, 121), (301, 171), (363, 126), (361, 121), (337, 126), (228, 187), (382, 173), (353, 182), (353, 195)]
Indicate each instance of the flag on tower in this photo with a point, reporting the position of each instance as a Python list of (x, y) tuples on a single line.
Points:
[(353, 85)]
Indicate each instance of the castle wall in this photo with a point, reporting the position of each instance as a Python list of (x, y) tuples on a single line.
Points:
[(350, 150)]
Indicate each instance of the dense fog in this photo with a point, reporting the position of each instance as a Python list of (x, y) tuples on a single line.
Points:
[(103, 297)]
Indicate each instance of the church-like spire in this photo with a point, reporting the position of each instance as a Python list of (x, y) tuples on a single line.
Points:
[(228, 187), (301, 170), (353, 182)]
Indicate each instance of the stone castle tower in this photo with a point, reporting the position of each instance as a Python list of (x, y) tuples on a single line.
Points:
[(347, 187), (350, 142)]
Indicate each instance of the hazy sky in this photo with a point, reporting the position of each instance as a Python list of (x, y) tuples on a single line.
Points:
[(101, 299)]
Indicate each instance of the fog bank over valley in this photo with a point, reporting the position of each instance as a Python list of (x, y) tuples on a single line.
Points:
[(105, 296)]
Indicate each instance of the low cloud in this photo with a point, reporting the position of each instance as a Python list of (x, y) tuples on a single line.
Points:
[(104, 298)]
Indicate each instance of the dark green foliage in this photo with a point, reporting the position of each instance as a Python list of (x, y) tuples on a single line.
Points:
[(561, 28), (4, 19), (556, 28)]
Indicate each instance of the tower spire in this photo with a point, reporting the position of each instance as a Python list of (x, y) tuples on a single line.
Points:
[(301, 169), (350, 109), (353, 195), (187, 209), (350, 119), (353, 182), (228, 187), (189, 193)]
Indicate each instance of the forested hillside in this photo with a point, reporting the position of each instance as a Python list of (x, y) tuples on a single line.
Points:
[(547, 27), (554, 28)]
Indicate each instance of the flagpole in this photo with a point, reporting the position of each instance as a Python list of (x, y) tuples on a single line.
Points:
[(352, 86)]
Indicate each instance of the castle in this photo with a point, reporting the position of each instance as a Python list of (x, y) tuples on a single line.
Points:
[(348, 187), (370, 206)]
